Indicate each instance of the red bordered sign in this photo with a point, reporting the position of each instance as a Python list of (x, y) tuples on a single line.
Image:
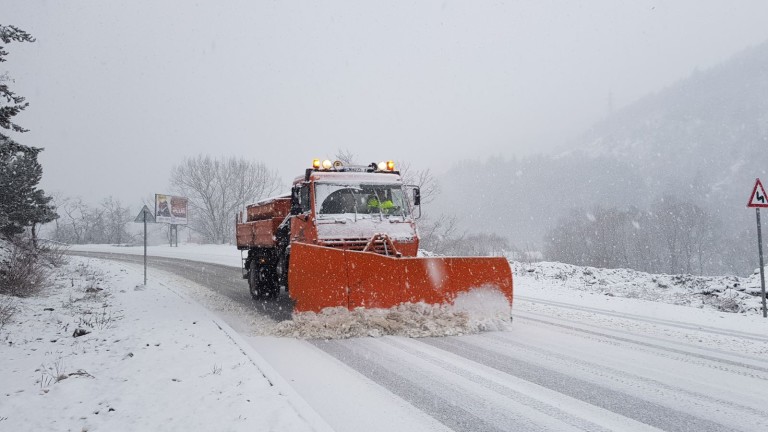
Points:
[(758, 198)]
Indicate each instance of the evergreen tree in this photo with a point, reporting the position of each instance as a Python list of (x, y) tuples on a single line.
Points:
[(22, 204), (12, 103)]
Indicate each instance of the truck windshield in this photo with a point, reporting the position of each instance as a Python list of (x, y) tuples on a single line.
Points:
[(360, 199)]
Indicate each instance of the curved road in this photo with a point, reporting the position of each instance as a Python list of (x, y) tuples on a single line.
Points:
[(546, 373)]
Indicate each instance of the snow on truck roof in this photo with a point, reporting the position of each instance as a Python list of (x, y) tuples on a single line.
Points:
[(355, 177)]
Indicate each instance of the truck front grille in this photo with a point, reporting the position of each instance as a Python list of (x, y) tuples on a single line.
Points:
[(380, 244), (356, 244)]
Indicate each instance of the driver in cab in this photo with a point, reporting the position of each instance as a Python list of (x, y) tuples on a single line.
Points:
[(375, 205)]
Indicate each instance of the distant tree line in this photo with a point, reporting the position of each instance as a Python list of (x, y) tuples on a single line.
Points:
[(82, 223), (441, 236), (673, 236)]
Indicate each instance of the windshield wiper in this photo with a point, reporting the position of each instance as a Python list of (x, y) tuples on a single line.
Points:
[(354, 196), (378, 205)]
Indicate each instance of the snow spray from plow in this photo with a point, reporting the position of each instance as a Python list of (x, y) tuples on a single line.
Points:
[(477, 310)]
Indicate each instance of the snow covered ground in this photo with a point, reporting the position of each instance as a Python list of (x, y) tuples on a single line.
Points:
[(589, 349), (99, 351)]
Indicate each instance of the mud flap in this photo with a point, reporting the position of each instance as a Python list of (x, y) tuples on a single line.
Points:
[(322, 277)]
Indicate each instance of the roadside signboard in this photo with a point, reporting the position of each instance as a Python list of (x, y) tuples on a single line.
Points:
[(171, 209), (179, 210)]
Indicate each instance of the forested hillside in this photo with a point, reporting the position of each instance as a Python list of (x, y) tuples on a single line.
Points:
[(660, 185)]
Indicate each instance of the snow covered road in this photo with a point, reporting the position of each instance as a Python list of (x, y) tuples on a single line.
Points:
[(563, 365)]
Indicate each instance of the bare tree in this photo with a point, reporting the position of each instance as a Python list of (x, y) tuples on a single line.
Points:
[(424, 179), (117, 217), (218, 188), (676, 236), (688, 230), (346, 156), (441, 235), (80, 223), (483, 244)]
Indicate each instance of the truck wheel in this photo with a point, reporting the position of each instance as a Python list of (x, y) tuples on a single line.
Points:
[(270, 285), (263, 284), (254, 285), (273, 291)]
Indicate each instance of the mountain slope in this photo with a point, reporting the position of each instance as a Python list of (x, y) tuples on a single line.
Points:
[(703, 140)]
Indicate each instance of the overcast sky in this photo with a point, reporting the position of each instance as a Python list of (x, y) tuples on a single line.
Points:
[(120, 91)]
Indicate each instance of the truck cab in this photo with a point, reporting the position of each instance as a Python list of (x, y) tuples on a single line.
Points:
[(347, 206)]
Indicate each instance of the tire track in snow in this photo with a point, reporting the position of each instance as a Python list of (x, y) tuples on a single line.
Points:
[(710, 358), (620, 403), (504, 390), (431, 396), (606, 373), (668, 323)]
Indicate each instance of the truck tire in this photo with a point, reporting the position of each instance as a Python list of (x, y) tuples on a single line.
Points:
[(262, 283), (270, 283), (253, 284)]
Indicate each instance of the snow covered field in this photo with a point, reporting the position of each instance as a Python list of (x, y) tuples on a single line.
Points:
[(147, 356)]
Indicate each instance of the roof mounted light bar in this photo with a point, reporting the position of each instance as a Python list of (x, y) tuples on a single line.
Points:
[(327, 165)]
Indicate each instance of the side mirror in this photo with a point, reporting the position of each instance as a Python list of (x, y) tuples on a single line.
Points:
[(417, 197), (296, 200)]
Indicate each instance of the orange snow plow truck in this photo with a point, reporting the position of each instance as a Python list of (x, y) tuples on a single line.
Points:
[(346, 236)]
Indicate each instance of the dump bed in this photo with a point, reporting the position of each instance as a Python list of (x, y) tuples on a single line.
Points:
[(262, 220), (271, 208)]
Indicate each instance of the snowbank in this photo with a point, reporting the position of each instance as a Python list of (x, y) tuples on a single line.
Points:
[(722, 293), (98, 352)]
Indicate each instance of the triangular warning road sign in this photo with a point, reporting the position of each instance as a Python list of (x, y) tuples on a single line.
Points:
[(140, 217), (758, 198)]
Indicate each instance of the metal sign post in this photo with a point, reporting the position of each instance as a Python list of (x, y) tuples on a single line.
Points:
[(759, 200), (762, 269), (145, 248), (145, 216), (173, 234)]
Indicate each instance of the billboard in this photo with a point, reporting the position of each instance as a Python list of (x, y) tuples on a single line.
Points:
[(170, 209)]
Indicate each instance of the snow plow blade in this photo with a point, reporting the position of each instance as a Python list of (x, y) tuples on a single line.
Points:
[(320, 277)]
